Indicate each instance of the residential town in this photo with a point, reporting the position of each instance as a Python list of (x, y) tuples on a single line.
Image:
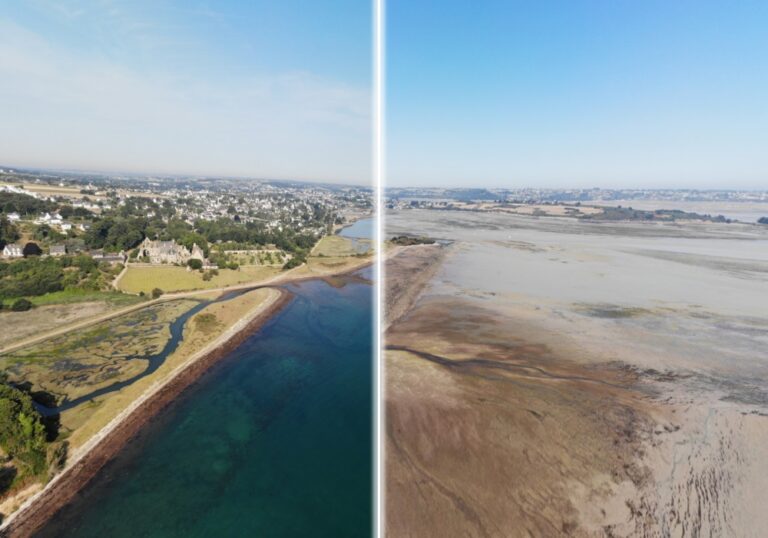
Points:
[(57, 211), (68, 232)]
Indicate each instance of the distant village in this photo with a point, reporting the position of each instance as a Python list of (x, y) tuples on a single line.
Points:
[(529, 195), (270, 207), (589, 204)]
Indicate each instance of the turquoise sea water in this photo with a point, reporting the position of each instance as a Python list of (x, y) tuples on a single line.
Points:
[(274, 441)]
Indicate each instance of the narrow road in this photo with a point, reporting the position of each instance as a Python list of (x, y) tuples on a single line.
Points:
[(116, 281)]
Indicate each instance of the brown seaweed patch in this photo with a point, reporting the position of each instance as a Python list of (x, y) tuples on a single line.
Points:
[(611, 311)]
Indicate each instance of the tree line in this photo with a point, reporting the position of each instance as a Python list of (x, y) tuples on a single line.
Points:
[(115, 233), (34, 276)]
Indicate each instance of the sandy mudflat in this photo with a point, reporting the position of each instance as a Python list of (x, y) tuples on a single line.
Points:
[(558, 378)]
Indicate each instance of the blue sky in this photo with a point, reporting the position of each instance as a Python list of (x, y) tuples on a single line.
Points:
[(255, 88), (612, 93)]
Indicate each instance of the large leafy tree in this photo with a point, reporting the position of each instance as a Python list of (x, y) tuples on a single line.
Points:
[(22, 433), (31, 249)]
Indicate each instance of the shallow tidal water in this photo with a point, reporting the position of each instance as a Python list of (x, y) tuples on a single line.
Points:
[(360, 233), (275, 440)]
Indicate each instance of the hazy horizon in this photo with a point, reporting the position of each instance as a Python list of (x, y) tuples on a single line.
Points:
[(336, 181), (171, 174), (564, 186)]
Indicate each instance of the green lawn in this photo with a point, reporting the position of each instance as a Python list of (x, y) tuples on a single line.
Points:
[(71, 296), (80, 296)]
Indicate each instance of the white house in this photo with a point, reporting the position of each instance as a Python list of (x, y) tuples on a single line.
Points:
[(66, 226), (13, 251), (53, 220), (13, 217)]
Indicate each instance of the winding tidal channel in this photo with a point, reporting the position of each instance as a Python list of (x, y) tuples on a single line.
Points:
[(153, 361)]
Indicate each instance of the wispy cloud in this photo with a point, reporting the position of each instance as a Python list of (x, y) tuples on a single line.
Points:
[(66, 108)]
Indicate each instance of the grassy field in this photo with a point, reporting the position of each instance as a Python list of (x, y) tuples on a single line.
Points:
[(335, 246), (327, 266), (53, 190), (112, 298), (73, 296), (171, 278)]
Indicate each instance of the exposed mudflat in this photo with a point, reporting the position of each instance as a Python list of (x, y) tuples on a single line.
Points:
[(410, 271), (563, 378)]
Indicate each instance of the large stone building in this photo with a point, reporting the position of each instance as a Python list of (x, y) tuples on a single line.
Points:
[(169, 252)]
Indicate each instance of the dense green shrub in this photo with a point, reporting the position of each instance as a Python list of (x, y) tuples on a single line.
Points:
[(21, 305), (31, 249), (22, 434), (13, 202), (298, 259), (8, 232), (34, 276)]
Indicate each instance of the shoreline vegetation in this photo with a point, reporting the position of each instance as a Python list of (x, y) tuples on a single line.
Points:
[(28, 508)]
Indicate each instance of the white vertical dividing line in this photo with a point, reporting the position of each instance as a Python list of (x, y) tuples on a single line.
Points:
[(378, 315)]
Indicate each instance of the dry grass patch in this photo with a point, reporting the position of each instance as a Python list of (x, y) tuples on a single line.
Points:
[(333, 246), (171, 278), (320, 267), (20, 325)]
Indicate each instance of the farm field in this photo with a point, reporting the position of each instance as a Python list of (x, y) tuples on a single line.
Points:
[(171, 278), (52, 190)]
